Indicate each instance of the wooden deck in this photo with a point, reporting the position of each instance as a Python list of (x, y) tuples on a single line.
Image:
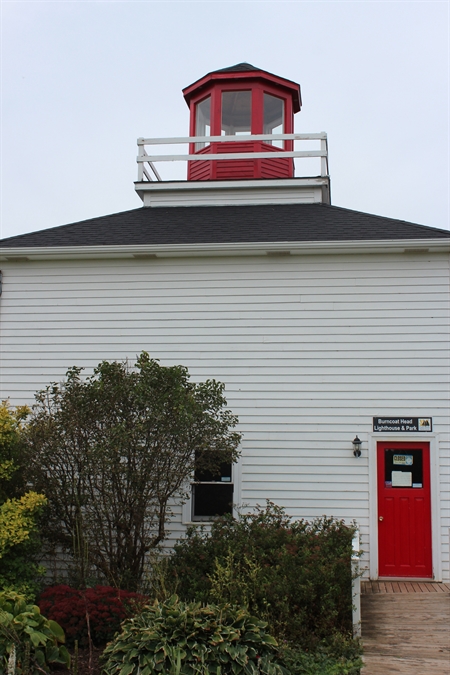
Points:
[(405, 628)]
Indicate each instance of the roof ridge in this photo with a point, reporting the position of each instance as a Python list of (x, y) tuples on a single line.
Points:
[(237, 68)]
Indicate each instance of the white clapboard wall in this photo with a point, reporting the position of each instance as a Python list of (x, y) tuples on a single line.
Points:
[(310, 349)]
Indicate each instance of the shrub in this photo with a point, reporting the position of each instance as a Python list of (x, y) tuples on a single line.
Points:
[(321, 662), (106, 607), (184, 639), (19, 510), (19, 543), (114, 450), (29, 643), (296, 575)]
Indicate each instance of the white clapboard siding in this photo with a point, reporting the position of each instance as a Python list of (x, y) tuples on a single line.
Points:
[(310, 349)]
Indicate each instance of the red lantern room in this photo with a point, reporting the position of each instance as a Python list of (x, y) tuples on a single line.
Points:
[(241, 100)]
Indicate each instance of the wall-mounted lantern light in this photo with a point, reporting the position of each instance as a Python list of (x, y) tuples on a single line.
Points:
[(357, 446)]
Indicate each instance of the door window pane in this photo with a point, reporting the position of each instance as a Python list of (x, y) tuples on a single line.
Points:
[(236, 113), (203, 120), (403, 468), (273, 118)]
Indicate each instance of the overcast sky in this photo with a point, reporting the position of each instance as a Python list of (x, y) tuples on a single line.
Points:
[(82, 80)]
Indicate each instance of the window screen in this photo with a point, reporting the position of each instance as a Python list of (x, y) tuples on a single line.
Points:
[(203, 120), (273, 117), (236, 113)]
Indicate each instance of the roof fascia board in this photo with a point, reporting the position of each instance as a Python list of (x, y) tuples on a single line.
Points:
[(227, 193), (248, 75), (415, 246)]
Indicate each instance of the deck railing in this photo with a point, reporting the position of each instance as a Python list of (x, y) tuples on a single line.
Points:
[(146, 162), (356, 585)]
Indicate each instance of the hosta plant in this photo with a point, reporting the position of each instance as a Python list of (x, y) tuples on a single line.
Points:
[(177, 638), (29, 643)]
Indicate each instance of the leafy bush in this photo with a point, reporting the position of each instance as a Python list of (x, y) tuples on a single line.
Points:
[(184, 639), (19, 543), (112, 451), (322, 662), (106, 607), (12, 421), (27, 638), (296, 575), (19, 510)]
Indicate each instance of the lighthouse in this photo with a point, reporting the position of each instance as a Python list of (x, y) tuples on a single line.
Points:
[(325, 323), (242, 147), (239, 101)]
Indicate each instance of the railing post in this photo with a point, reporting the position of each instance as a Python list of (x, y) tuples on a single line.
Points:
[(356, 586), (141, 153), (324, 159)]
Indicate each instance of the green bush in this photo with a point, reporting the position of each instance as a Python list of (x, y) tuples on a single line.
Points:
[(321, 662), (27, 638), (20, 510), (185, 639), (294, 574), (20, 570)]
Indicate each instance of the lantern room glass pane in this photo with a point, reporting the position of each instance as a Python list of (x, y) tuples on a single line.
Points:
[(203, 120), (273, 118), (236, 113)]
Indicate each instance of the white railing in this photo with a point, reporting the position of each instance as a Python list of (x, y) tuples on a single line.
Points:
[(146, 162), (356, 586)]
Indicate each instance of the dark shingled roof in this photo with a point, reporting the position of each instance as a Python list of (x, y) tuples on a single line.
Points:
[(227, 224), (238, 68)]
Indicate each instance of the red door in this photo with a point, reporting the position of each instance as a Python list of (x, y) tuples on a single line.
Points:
[(404, 510)]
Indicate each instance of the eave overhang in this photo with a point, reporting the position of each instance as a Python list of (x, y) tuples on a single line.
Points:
[(281, 249), (202, 83)]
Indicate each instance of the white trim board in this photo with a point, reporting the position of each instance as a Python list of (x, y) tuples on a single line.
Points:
[(245, 192), (22, 254)]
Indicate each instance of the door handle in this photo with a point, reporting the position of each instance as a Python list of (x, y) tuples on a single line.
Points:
[(381, 518)]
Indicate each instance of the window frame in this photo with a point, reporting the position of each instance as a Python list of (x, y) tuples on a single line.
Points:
[(187, 516), (199, 146)]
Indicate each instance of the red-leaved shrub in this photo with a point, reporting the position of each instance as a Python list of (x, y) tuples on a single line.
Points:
[(106, 607)]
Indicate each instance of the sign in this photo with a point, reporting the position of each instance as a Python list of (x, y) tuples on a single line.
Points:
[(402, 424), (405, 460), (401, 479)]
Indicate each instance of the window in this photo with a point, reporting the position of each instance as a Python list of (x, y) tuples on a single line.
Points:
[(212, 492), (203, 120), (236, 113), (403, 468), (273, 118)]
